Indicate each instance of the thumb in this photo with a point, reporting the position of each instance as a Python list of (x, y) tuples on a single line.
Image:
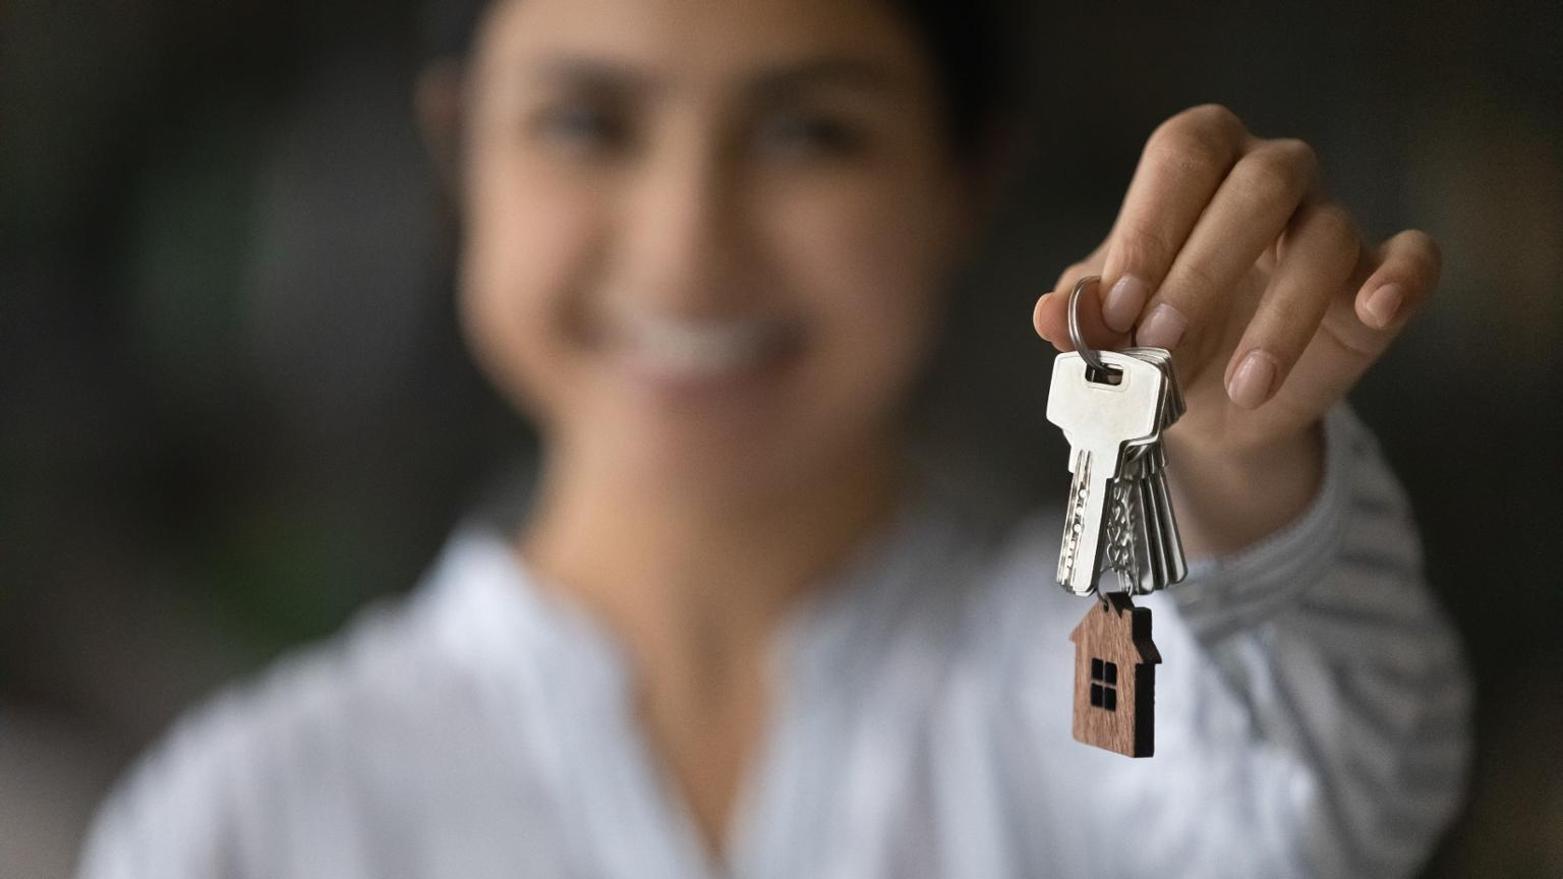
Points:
[(1051, 314)]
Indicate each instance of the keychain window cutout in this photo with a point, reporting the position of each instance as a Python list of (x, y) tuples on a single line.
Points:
[(1104, 684)]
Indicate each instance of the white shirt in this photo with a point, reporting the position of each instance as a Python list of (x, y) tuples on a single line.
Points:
[(1312, 719)]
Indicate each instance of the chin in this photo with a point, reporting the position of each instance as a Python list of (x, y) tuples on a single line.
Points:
[(720, 446)]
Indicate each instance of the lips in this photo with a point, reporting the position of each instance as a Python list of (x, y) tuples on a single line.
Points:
[(694, 351)]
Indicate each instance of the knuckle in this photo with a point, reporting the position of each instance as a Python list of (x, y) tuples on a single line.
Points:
[(1338, 227), (1201, 136), (1335, 218), (1146, 248), (1265, 176), (1190, 283), (1186, 154), (1294, 321), (1214, 117), (1298, 155)]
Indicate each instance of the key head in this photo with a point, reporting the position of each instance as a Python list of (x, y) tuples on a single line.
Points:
[(1175, 405), (1102, 414)]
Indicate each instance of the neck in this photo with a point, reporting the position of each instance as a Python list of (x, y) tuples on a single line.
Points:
[(667, 569)]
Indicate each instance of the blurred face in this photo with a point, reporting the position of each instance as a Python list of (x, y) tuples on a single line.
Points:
[(705, 239)]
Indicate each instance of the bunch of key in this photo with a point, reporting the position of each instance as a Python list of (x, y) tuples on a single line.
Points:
[(1119, 515)]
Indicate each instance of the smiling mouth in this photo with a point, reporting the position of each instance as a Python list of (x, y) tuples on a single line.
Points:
[(694, 353)]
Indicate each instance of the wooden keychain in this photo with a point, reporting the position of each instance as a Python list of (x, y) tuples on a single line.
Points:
[(1115, 677), (1113, 407)]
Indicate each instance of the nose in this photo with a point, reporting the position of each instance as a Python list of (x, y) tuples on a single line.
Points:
[(682, 239)]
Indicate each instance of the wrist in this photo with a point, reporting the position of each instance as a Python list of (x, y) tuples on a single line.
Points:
[(1227, 498)]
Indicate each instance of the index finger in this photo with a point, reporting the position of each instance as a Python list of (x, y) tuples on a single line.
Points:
[(1183, 164)]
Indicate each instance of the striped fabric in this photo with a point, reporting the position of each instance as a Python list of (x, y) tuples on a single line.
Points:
[(1312, 720)]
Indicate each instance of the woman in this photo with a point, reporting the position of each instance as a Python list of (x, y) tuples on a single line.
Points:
[(705, 246)]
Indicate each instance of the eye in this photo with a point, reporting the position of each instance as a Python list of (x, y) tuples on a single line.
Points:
[(581, 127), (801, 134)]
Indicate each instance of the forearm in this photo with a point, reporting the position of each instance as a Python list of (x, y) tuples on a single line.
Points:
[(1326, 647)]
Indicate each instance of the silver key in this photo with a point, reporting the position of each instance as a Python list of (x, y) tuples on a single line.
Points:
[(1100, 418), (1171, 541), (1143, 544), (1163, 358), (1133, 538)]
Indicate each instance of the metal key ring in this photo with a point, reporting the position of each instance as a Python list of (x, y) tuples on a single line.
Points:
[(1087, 353)]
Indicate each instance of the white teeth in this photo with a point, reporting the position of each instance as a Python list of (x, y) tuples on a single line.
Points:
[(699, 347)]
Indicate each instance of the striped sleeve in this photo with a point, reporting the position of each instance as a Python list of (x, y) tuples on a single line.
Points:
[(1326, 639)]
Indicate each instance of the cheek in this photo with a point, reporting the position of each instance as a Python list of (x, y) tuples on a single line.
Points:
[(527, 250), (873, 260)]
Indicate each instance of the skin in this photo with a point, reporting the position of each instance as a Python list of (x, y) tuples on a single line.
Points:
[(780, 160), (786, 161), (1234, 236)]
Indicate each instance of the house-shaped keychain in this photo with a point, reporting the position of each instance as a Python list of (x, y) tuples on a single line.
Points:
[(1115, 677)]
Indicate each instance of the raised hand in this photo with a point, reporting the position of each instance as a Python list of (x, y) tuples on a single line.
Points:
[(1228, 251)]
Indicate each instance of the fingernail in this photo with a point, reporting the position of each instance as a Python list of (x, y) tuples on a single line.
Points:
[(1383, 303), (1123, 303), (1251, 381), (1164, 328)]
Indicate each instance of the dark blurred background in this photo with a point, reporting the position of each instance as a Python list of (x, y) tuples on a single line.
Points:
[(234, 407)]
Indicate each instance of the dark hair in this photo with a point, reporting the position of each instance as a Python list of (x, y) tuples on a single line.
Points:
[(978, 47)]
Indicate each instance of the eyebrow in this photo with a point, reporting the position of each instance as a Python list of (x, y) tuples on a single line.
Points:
[(773, 83)]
